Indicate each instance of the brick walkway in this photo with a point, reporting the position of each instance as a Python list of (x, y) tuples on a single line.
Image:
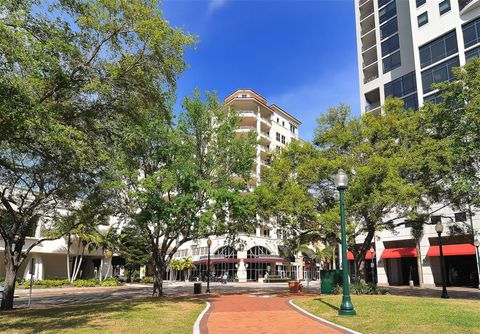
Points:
[(258, 313)]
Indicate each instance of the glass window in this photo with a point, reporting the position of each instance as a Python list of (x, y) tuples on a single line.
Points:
[(391, 62), (390, 45), (283, 139), (388, 29), (278, 136), (420, 2), (472, 53), (440, 73), (411, 102), (434, 98), (460, 216), (422, 19), (438, 49), (444, 7), (471, 33), (382, 3), (402, 86), (387, 12)]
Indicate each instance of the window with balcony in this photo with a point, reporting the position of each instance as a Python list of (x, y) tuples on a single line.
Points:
[(387, 12), (444, 7), (472, 54), (440, 73), (471, 33), (391, 62), (388, 29), (402, 86), (439, 49), (422, 19), (390, 45)]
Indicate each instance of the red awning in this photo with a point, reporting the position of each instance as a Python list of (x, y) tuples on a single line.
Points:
[(265, 260), (368, 256), (396, 253), (452, 250), (217, 260)]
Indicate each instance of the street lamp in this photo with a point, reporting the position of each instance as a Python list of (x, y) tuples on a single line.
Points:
[(209, 243), (373, 265), (477, 246), (439, 230), (341, 183)]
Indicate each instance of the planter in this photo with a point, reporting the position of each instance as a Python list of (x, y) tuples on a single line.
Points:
[(293, 286)]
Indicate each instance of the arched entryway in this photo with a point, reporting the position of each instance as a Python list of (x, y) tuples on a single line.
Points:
[(258, 262)]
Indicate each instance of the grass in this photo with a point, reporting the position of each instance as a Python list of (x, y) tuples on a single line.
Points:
[(399, 314), (152, 316)]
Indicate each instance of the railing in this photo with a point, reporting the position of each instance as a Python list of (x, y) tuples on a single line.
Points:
[(362, 2), (370, 78), (365, 48), (365, 15), (246, 127), (464, 3), (367, 30), (370, 107), (247, 114), (263, 133), (266, 120), (365, 65)]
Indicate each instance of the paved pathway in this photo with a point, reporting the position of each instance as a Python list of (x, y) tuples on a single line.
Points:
[(259, 313)]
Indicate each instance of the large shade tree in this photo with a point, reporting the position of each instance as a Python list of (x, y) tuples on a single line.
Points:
[(72, 73), (187, 180)]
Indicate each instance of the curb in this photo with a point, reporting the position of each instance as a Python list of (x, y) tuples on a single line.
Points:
[(345, 329), (196, 325)]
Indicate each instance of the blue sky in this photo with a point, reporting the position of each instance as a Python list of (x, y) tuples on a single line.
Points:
[(300, 55)]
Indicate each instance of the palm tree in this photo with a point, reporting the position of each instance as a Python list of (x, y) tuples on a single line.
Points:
[(175, 265), (108, 242), (187, 264)]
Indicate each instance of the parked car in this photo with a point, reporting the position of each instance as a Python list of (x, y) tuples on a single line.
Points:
[(1, 291)]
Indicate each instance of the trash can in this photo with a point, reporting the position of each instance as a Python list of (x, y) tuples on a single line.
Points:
[(197, 288), (329, 278)]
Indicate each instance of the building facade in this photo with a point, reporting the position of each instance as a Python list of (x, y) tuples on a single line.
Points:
[(403, 47), (256, 253)]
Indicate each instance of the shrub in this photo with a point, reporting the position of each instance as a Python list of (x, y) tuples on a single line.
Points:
[(361, 288), (110, 282), (83, 283), (147, 280)]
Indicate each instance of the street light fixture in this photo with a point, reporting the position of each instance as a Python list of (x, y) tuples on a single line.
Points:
[(477, 246), (439, 230), (341, 183), (209, 243), (373, 265)]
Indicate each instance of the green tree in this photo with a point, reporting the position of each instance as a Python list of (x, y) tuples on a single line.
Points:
[(456, 121), (72, 74), (180, 178)]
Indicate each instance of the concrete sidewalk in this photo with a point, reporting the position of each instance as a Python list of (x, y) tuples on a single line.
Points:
[(453, 292)]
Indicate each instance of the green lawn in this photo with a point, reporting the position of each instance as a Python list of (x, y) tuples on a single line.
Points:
[(397, 314), (153, 316)]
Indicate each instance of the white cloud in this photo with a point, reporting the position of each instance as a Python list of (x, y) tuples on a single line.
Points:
[(213, 5)]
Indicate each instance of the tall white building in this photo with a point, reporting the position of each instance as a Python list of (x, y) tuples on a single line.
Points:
[(403, 47), (260, 252)]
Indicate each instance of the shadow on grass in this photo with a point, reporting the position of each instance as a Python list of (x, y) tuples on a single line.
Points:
[(336, 308), (71, 317)]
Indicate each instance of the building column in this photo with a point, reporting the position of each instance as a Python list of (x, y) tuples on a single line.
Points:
[(426, 263), (143, 270), (38, 268), (381, 271)]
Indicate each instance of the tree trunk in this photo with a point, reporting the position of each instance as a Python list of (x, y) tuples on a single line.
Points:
[(11, 271), (101, 265), (158, 273), (419, 264)]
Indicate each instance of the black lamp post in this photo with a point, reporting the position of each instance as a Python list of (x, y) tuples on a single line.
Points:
[(346, 308), (373, 265), (477, 246), (439, 230), (209, 243)]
